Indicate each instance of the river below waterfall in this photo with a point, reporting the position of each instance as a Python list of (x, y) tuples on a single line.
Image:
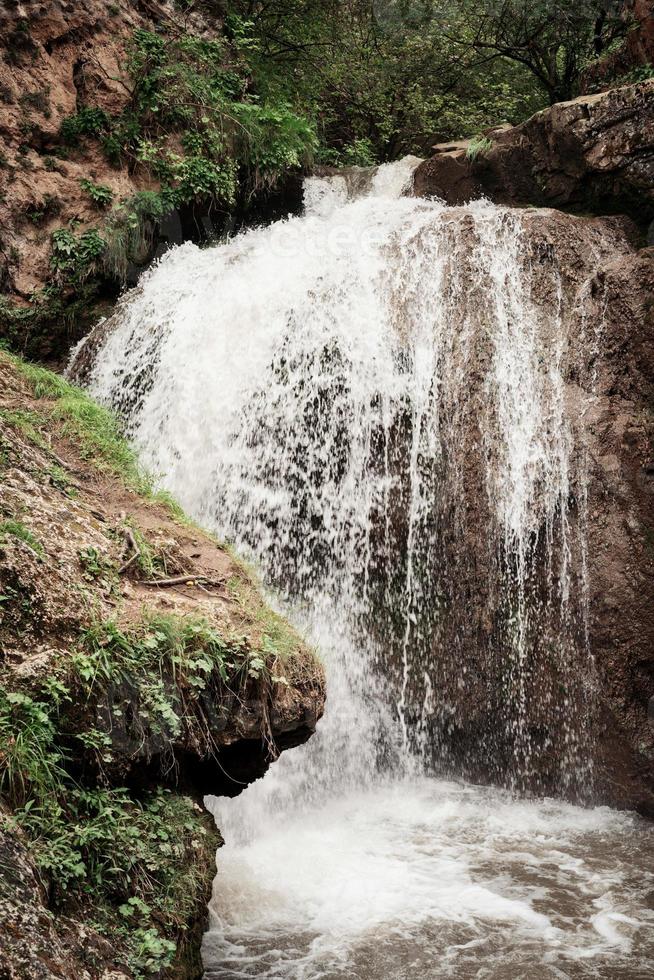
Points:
[(372, 402), (431, 878)]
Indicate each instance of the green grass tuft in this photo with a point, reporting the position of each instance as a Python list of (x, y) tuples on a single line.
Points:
[(478, 147), (92, 427), (16, 529)]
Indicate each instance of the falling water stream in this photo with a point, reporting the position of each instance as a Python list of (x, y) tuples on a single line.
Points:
[(369, 402)]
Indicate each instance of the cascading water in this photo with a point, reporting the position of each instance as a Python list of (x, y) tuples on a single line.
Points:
[(369, 401)]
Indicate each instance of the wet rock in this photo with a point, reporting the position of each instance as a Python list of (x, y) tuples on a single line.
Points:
[(607, 285)]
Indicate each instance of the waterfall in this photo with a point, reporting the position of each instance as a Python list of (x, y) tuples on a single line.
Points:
[(369, 402)]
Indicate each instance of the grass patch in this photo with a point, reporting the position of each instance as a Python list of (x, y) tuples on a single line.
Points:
[(14, 529), (27, 422), (30, 766), (478, 147), (274, 633), (94, 429)]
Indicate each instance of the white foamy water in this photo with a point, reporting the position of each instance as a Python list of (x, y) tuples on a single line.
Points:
[(435, 879), (368, 400)]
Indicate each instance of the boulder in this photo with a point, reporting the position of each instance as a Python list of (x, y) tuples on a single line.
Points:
[(594, 154)]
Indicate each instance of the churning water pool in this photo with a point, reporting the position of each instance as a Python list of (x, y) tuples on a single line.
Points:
[(431, 878)]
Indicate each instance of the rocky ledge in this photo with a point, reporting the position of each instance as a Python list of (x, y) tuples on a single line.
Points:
[(140, 670), (594, 154)]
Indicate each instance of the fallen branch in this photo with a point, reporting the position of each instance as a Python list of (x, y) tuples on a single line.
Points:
[(184, 580)]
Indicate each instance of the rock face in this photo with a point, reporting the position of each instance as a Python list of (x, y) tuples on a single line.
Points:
[(58, 57), (81, 553), (594, 154), (621, 499), (597, 154), (56, 60)]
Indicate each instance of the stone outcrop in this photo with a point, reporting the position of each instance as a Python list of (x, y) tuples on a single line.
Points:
[(592, 155), (82, 548)]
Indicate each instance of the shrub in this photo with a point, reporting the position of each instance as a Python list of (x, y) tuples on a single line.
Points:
[(76, 257), (88, 121), (30, 765), (100, 194)]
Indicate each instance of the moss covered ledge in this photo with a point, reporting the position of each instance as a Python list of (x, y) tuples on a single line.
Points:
[(139, 670)]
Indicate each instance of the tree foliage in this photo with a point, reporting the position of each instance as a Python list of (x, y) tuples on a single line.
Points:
[(379, 78), (555, 40)]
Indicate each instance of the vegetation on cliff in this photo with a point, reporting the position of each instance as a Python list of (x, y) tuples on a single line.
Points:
[(138, 659), (200, 108)]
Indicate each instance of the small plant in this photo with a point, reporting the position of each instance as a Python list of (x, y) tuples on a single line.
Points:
[(28, 762), (478, 146), (87, 122), (130, 230), (156, 672), (76, 257), (100, 194), (141, 863), (96, 565), (15, 529), (59, 480)]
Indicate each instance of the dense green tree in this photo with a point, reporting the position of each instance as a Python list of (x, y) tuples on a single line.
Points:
[(554, 39), (381, 78)]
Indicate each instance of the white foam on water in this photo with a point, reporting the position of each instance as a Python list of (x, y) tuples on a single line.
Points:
[(433, 879)]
